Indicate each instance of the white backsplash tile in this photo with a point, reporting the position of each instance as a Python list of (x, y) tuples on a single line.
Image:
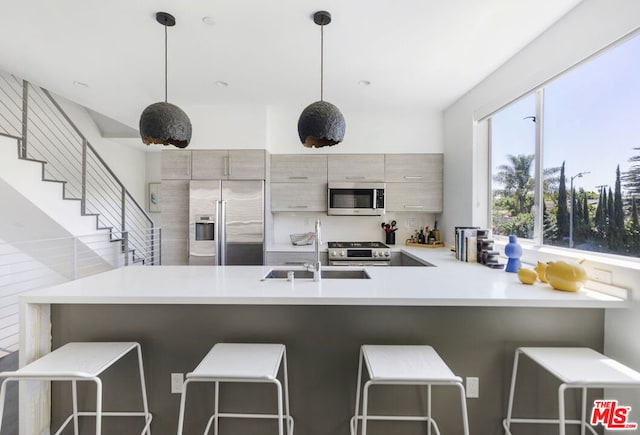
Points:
[(348, 228)]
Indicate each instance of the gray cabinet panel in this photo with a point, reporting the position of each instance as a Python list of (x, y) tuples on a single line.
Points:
[(298, 168), (298, 197), (426, 197), (176, 165), (175, 221), (417, 168), (247, 164), (209, 164), (228, 164), (355, 167)]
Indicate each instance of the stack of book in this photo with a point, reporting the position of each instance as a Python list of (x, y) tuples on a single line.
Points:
[(473, 245)]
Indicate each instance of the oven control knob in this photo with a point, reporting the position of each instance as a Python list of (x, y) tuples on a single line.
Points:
[(334, 253), (343, 253), (386, 254), (375, 253)]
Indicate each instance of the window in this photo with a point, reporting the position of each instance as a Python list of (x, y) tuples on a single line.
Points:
[(586, 193)]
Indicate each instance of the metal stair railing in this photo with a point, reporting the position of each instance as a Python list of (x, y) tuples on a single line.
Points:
[(45, 133)]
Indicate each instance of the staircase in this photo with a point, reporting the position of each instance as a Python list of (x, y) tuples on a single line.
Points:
[(37, 136)]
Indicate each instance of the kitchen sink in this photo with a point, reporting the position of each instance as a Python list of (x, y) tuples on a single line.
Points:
[(325, 274)]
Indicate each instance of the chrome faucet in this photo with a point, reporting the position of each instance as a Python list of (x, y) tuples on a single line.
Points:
[(316, 268)]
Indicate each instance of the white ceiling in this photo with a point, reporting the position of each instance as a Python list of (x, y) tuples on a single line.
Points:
[(421, 54)]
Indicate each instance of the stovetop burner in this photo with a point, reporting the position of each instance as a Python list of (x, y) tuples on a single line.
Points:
[(356, 245)]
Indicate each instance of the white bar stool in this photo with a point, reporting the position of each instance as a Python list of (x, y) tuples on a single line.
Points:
[(575, 367), (241, 362), (404, 365), (81, 362)]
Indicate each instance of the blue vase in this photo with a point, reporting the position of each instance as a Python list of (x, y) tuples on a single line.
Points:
[(513, 251)]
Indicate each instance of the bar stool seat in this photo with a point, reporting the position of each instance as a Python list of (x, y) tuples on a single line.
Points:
[(81, 362), (242, 362), (575, 367), (403, 365)]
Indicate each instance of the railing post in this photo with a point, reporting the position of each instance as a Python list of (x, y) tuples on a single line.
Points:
[(74, 270), (160, 247), (153, 254), (25, 118), (83, 201), (125, 247), (123, 206)]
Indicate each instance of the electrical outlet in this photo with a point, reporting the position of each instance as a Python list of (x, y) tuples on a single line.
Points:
[(473, 388), (411, 223), (603, 276), (176, 383)]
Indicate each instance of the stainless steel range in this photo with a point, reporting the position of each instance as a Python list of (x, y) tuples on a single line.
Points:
[(359, 254)]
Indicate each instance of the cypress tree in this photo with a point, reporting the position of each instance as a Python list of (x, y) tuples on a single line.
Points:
[(611, 226), (618, 214), (562, 215), (585, 216), (599, 213), (634, 228)]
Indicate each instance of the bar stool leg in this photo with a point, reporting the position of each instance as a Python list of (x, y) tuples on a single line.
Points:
[(465, 417), (561, 391), (143, 387), (216, 403), (429, 409), (512, 389), (98, 405), (365, 404), (286, 393), (74, 398), (354, 425), (279, 394), (583, 425), (183, 399)]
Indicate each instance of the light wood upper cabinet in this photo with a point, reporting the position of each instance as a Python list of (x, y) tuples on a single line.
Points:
[(247, 164), (209, 164), (298, 168), (416, 168), (228, 164), (176, 165), (298, 197), (414, 197), (355, 167)]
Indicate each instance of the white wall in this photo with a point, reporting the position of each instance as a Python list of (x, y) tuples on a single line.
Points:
[(591, 26), (367, 131)]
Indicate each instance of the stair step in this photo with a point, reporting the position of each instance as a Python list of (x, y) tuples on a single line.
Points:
[(50, 180), (29, 159)]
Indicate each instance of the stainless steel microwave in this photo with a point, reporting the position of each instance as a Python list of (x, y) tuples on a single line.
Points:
[(356, 199)]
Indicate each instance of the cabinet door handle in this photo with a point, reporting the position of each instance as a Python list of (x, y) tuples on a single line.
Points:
[(299, 178), (298, 206), (413, 206), (227, 163), (353, 177), (413, 177)]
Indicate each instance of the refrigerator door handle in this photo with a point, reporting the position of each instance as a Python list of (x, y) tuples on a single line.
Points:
[(217, 232), (222, 233)]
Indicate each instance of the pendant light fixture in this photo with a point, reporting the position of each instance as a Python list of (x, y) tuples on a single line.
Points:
[(321, 124), (165, 123)]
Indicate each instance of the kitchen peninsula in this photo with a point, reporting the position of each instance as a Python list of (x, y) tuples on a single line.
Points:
[(475, 317)]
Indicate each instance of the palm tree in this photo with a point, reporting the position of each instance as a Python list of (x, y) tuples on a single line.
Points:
[(517, 182)]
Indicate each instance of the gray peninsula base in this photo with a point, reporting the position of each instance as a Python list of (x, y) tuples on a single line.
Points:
[(322, 346)]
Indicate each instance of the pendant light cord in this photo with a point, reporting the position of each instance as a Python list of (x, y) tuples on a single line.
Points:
[(322, 62), (165, 64)]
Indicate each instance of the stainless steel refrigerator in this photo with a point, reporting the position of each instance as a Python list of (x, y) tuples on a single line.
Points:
[(226, 222)]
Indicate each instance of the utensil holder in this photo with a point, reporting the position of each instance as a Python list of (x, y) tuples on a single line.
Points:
[(390, 238)]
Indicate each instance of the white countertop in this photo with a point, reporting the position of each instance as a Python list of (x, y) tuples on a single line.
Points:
[(450, 283)]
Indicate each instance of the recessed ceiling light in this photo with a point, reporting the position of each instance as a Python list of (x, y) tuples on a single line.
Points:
[(222, 84), (208, 20), (364, 82), (80, 84)]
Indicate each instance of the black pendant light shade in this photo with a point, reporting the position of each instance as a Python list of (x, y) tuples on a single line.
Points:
[(165, 123), (321, 124)]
